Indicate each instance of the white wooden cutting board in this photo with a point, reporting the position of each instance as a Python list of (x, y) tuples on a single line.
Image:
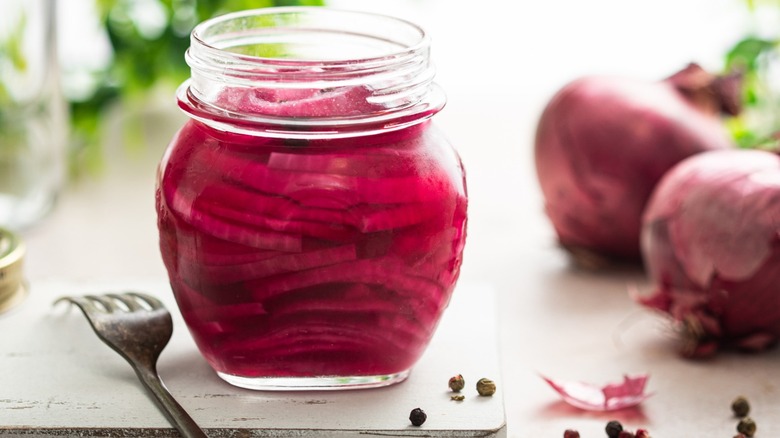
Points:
[(58, 379)]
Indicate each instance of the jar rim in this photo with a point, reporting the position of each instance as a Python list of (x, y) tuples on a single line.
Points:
[(12, 285), (200, 31), (11, 248)]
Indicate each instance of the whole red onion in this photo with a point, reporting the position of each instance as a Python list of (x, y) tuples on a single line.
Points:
[(602, 144), (711, 244)]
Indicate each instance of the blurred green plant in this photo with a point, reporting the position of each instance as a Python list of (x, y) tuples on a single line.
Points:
[(11, 59), (757, 58), (148, 39), (753, 3)]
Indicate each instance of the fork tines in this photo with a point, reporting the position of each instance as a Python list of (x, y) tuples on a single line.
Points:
[(111, 302)]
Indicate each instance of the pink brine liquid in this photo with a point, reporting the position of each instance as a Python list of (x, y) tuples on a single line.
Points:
[(297, 258)]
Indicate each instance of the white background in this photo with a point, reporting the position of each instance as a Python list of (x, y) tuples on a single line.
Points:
[(499, 62)]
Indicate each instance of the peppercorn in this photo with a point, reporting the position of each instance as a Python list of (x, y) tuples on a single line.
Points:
[(571, 433), (486, 387), (642, 433), (740, 407), (626, 434), (613, 429), (458, 397), (417, 417), (457, 383), (747, 426)]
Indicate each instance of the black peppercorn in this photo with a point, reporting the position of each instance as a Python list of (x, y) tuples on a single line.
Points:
[(571, 433), (613, 429), (417, 417), (740, 407), (747, 426)]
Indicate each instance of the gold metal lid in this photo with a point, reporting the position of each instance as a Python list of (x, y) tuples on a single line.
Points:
[(12, 285)]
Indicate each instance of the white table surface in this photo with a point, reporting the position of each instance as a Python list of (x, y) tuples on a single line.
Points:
[(499, 64), (59, 379)]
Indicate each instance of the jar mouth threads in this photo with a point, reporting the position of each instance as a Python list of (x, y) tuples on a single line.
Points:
[(282, 37), (12, 285), (311, 50)]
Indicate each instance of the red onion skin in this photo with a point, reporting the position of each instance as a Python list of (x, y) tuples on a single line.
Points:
[(602, 144), (711, 245)]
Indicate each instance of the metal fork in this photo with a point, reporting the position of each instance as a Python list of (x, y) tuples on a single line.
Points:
[(138, 327)]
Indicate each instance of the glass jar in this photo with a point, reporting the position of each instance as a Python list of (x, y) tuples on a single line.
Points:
[(33, 127), (312, 219)]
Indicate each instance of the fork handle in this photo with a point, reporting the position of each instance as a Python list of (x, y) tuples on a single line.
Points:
[(170, 407)]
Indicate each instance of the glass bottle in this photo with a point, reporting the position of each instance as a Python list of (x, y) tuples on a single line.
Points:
[(312, 218), (32, 113)]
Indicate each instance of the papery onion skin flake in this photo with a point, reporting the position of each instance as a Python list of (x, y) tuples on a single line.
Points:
[(602, 143), (610, 397), (711, 245)]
